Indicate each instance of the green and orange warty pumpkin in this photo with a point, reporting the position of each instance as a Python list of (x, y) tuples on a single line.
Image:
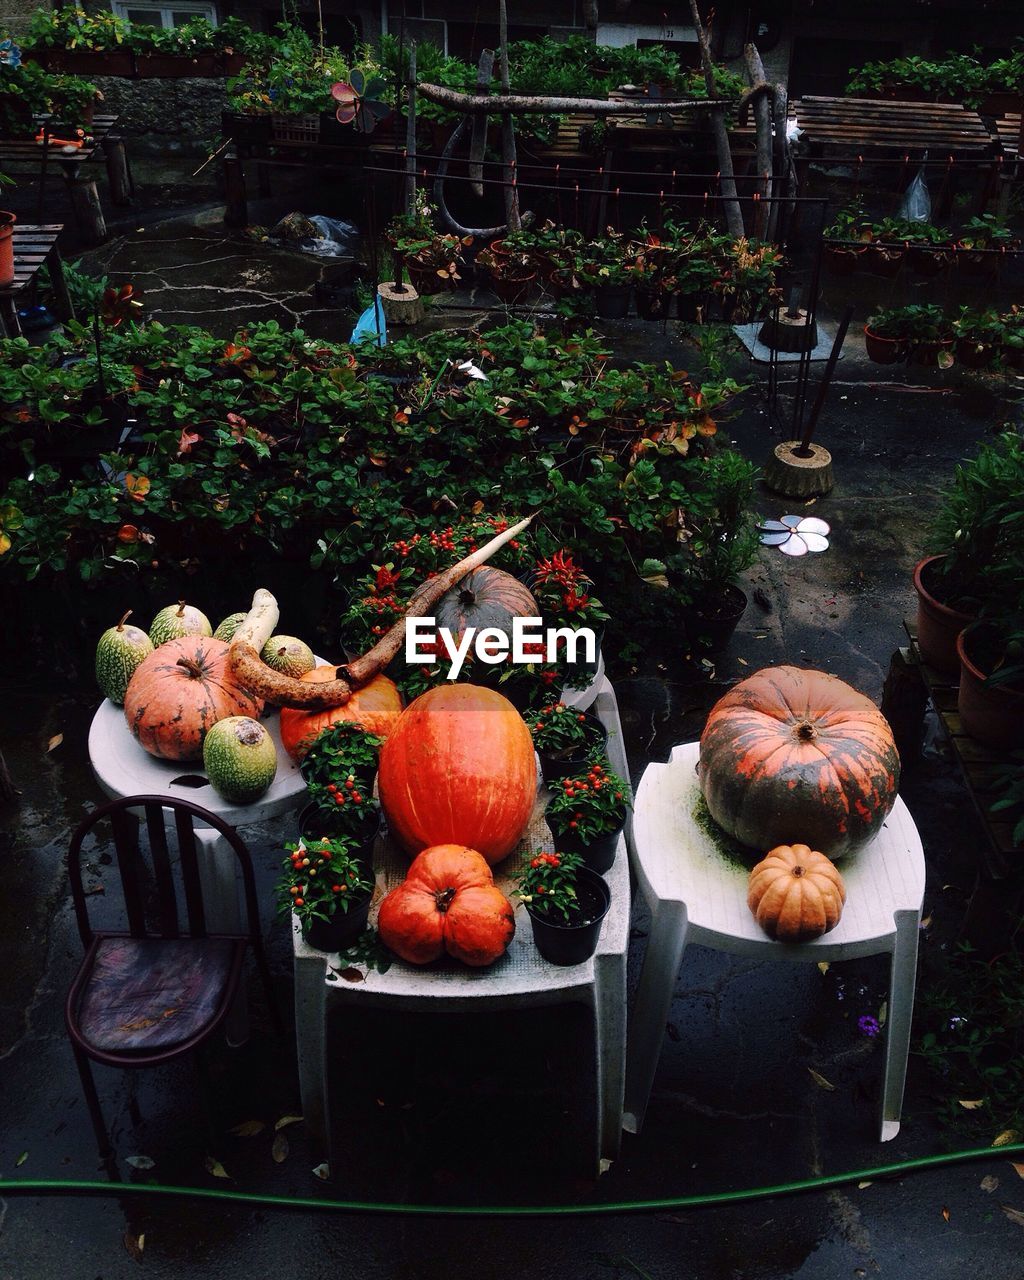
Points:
[(447, 904), (791, 755), (376, 706), (180, 692), (796, 894), (459, 768)]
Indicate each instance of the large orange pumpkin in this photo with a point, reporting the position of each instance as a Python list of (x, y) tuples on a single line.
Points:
[(376, 707), (448, 903), (459, 768), (179, 692), (792, 755)]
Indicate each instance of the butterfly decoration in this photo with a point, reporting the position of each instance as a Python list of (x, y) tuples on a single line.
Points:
[(10, 54), (359, 101), (795, 535)]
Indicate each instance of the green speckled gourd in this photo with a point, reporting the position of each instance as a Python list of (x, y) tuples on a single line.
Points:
[(226, 630), (177, 621), (240, 759), (289, 655), (119, 651)]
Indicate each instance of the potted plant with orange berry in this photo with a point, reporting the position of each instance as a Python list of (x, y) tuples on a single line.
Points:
[(339, 770), (565, 594), (564, 739), (328, 888), (587, 814), (567, 903)]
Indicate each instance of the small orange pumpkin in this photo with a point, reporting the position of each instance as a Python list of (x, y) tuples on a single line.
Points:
[(447, 903), (376, 707), (796, 894)]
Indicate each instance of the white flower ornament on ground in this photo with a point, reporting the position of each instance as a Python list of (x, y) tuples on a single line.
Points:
[(795, 535)]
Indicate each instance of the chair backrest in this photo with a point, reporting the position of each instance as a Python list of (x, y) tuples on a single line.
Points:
[(151, 887)]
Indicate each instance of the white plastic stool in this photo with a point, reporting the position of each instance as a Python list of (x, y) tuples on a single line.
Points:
[(698, 895)]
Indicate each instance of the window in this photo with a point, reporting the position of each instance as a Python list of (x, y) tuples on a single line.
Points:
[(150, 13)]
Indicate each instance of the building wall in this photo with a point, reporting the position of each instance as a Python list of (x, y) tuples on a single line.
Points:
[(15, 15)]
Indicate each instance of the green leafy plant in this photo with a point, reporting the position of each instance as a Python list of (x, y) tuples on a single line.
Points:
[(560, 730), (920, 322), (548, 885), (320, 878), (338, 770), (590, 805)]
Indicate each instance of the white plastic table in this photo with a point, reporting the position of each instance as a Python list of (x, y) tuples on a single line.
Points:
[(520, 979), (697, 894)]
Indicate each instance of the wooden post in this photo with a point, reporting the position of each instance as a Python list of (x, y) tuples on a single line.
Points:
[(783, 165), (478, 142), (117, 170), (508, 133), (410, 141), (733, 212), (85, 201), (763, 131), (64, 307), (236, 210)]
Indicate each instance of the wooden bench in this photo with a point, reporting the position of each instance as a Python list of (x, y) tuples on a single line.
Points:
[(34, 246)]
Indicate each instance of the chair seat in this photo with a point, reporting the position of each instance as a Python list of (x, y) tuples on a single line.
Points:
[(150, 994)]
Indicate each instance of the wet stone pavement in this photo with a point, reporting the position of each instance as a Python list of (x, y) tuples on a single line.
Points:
[(486, 1110)]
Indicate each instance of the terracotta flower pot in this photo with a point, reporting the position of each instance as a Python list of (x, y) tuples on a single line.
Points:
[(884, 259), (884, 350), (513, 288), (843, 260), (992, 715), (974, 355), (7, 221), (937, 624), (927, 353)]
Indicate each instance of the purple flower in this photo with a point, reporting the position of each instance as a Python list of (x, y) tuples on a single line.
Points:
[(868, 1026)]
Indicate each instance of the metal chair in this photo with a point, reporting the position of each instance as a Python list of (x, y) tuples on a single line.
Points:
[(146, 995)]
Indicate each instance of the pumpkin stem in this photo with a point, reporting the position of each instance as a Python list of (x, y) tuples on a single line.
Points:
[(798, 871), (466, 596), (192, 667), (443, 899), (181, 609), (120, 625), (806, 731)]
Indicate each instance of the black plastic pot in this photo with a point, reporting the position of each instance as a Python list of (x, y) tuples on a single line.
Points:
[(710, 625), (555, 767), (653, 304), (342, 929), (564, 944), (599, 854), (612, 301), (583, 672)]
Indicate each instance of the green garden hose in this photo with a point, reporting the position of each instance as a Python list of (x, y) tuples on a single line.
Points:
[(84, 1186)]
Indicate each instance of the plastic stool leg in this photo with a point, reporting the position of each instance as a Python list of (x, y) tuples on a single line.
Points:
[(902, 981), (311, 1039), (609, 1050), (650, 1013)]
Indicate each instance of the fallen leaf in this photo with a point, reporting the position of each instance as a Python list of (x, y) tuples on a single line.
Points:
[(55, 742), (140, 1162), (989, 1183), (322, 1171), (883, 1012), (215, 1167), (810, 502), (743, 662), (1015, 1215), (820, 1080), (248, 1129), (351, 974), (21, 1160), (1018, 1169), (926, 922), (862, 1185), (823, 966), (972, 1105), (133, 1245), (945, 1213), (1005, 1138), (285, 1121), (279, 1150)]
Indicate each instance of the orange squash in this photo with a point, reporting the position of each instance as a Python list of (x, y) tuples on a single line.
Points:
[(459, 768), (447, 904), (791, 755), (796, 894), (180, 692), (376, 707)]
